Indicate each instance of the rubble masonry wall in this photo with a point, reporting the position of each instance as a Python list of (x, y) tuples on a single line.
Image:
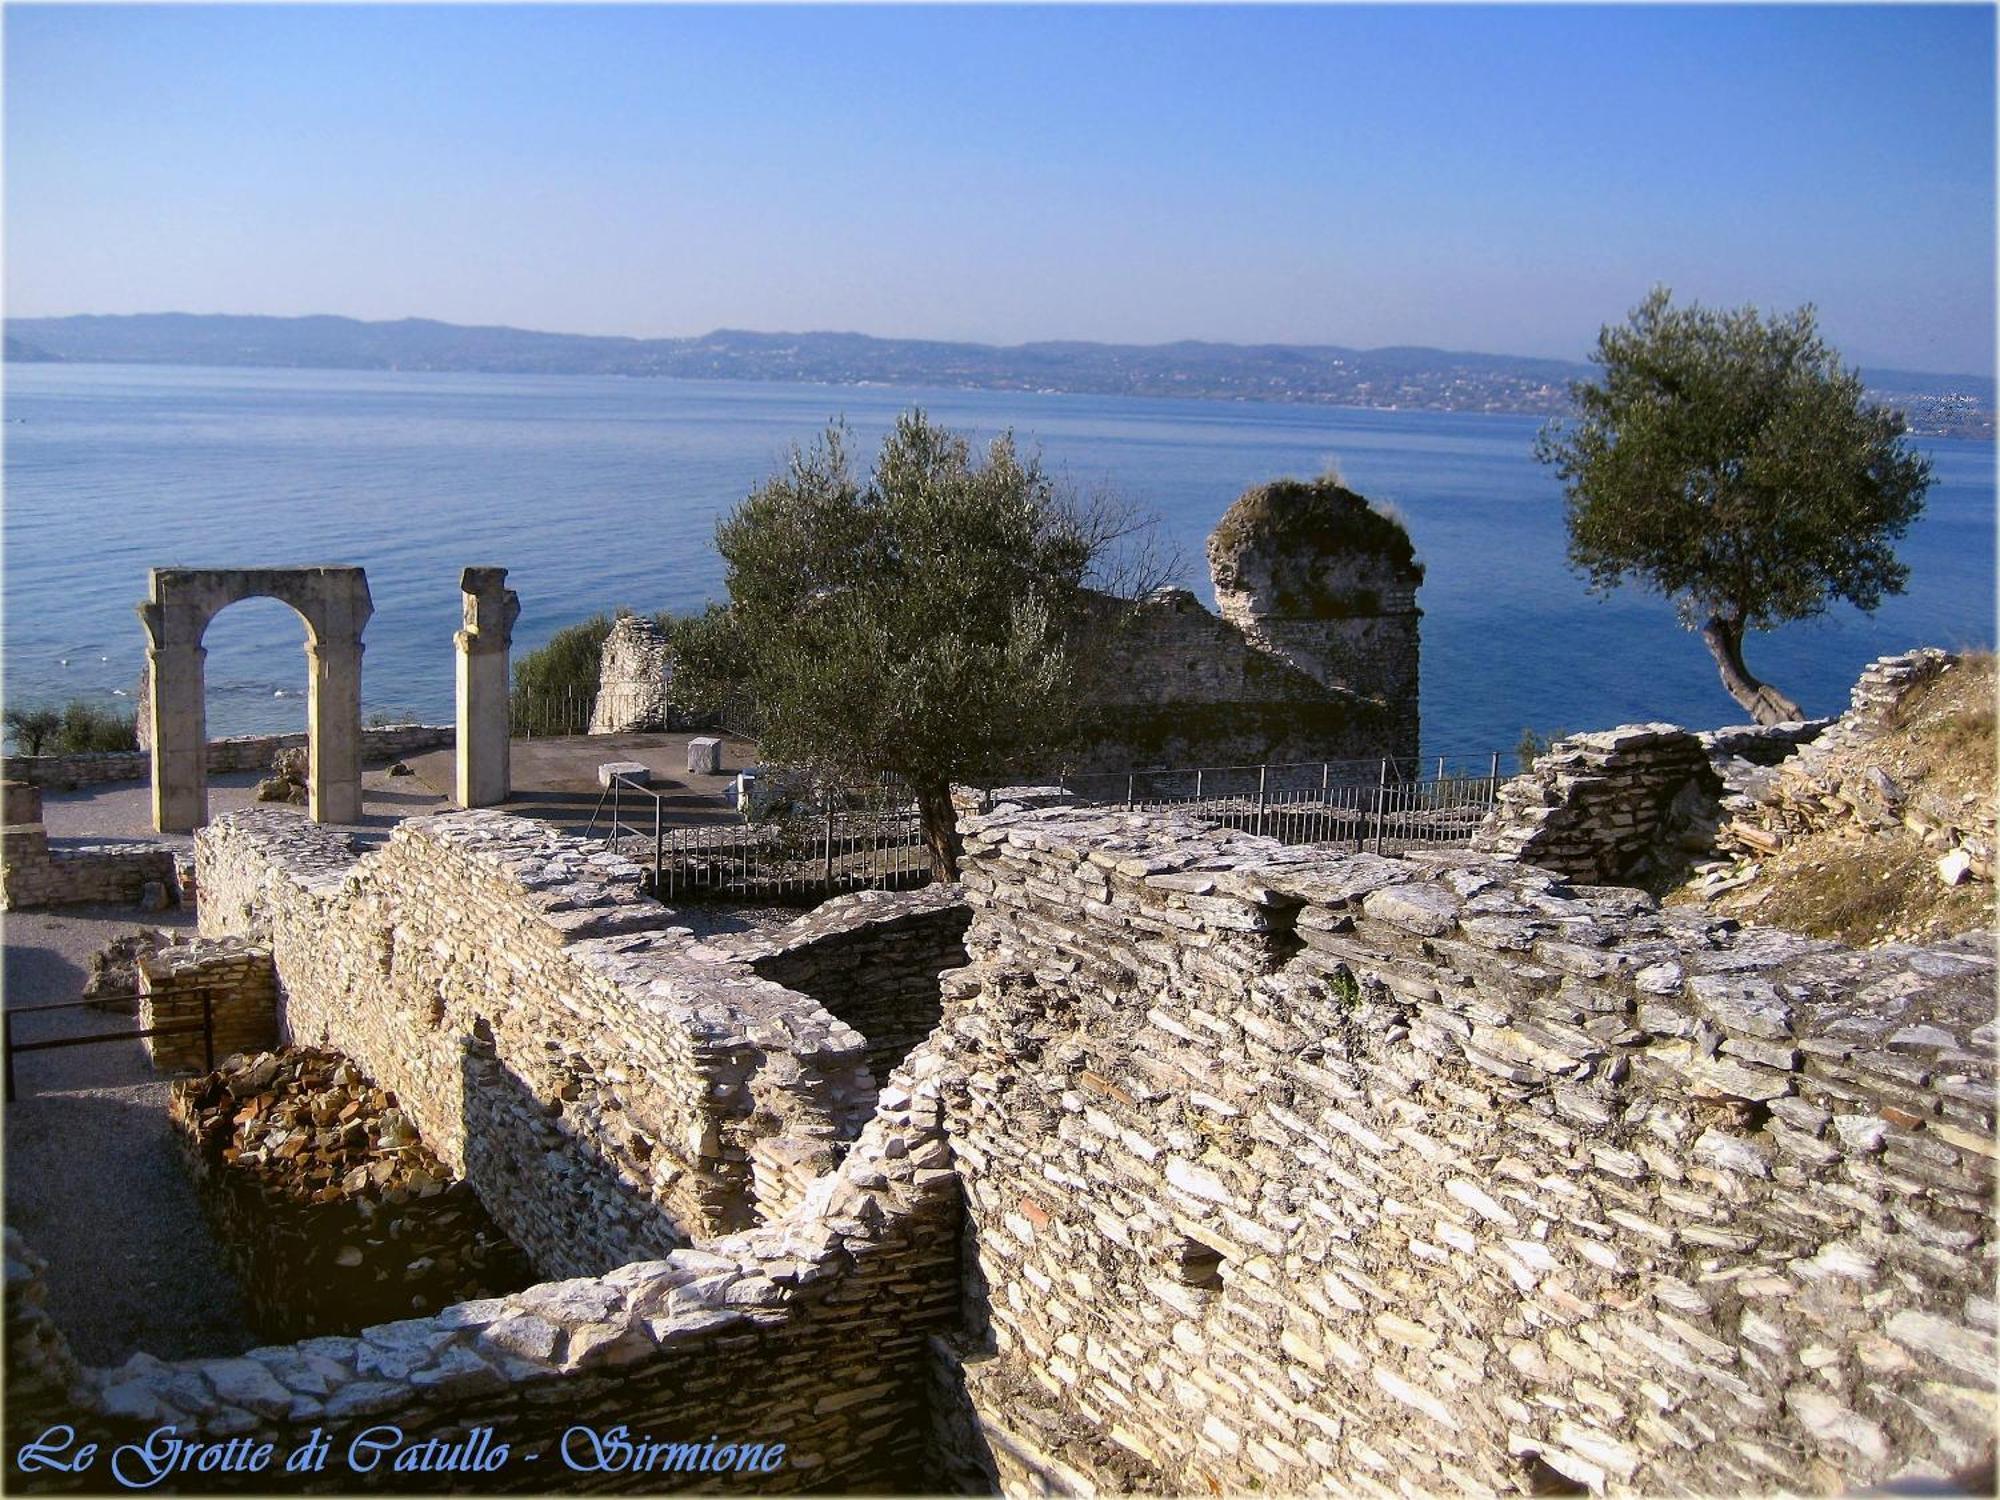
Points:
[(608, 1095), (247, 752), (1352, 1173)]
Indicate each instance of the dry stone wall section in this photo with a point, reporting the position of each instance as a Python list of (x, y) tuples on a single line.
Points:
[(875, 959), (247, 752), (1337, 1172), (809, 1336), (1614, 807), (34, 874), (227, 980), (608, 1095)]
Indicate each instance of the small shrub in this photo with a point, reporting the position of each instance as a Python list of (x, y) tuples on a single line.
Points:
[(77, 728), (1345, 988), (556, 683), (1532, 745), (33, 728)]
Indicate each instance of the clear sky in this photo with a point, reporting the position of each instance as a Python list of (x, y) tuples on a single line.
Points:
[(1498, 178)]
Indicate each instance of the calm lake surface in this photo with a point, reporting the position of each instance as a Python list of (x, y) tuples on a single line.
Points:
[(596, 492)]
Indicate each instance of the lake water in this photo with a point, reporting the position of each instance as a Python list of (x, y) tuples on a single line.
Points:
[(596, 492)]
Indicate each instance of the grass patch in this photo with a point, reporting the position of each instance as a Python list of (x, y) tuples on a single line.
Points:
[(1862, 890)]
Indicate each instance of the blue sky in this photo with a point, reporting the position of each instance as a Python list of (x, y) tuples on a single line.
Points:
[(1500, 178)]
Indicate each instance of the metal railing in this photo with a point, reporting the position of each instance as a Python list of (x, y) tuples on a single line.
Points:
[(1380, 805), (858, 838), (872, 836), (205, 1026), (541, 713)]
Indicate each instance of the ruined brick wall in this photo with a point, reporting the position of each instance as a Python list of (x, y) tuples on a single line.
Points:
[(607, 1094), (1613, 807), (811, 1332), (1186, 688), (1315, 575), (1335, 1172)]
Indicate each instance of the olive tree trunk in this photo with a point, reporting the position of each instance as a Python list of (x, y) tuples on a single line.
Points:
[(1765, 704), (940, 824)]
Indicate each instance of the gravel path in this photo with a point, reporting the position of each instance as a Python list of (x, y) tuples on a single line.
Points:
[(94, 1181)]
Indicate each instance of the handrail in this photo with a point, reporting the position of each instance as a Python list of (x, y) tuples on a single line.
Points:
[(9, 1047), (99, 1001)]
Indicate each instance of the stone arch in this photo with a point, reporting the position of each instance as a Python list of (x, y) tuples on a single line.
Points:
[(334, 604)]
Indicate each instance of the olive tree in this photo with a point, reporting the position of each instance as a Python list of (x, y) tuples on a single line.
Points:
[(1730, 462), (925, 619)]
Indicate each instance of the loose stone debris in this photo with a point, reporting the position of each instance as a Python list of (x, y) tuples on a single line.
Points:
[(334, 1213)]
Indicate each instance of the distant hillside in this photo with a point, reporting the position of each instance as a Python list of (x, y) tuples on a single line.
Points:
[(20, 352), (1394, 378)]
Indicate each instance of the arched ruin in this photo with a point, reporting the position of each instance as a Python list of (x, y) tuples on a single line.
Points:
[(333, 602)]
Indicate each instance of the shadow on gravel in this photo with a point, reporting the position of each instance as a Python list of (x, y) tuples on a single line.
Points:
[(96, 1185)]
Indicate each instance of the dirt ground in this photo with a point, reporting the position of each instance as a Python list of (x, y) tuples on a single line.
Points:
[(93, 1179), (1872, 886)]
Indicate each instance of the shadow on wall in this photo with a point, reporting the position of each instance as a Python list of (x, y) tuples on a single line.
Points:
[(883, 979), (528, 1170)]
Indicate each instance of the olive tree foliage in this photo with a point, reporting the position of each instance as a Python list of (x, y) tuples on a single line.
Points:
[(1730, 462), (924, 619)]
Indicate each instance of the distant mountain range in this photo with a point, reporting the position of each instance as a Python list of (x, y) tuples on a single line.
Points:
[(1392, 378)]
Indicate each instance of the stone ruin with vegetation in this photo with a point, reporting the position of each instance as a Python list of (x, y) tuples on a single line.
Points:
[(1313, 656), (1153, 1157)]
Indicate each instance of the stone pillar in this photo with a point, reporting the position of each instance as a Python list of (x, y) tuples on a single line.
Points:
[(174, 674), (333, 722), (484, 775)]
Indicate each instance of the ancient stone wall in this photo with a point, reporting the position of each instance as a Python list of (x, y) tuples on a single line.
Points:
[(1185, 688), (1317, 576), (635, 666), (608, 1095), (875, 959), (232, 978), (247, 752), (34, 874), (811, 1333), (1614, 807), (1316, 1172)]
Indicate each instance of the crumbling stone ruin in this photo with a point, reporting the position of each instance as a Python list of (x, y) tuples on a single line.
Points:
[(1831, 782), (332, 1212), (1618, 807), (635, 679), (1317, 576), (1227, 1165), (1313, 657), (287, 781)]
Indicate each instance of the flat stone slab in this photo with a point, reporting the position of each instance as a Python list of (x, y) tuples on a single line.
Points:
[(630, 769)]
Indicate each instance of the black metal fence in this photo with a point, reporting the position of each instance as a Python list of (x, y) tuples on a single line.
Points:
[(205, 1026), (540, 713), (852, 839), (810, 842)]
